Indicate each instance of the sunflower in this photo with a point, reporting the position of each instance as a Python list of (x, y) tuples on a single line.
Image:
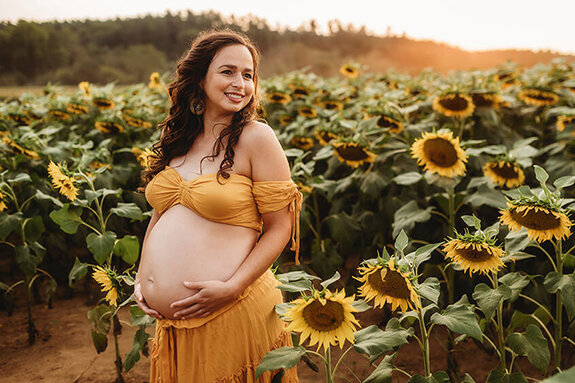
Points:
[(387, 284), (62, 181), (542, 223), (2, 203), (109, 127), (504, 173), (19, 149), (155, 82), (324, 137), (440, 153), (19, 118), (301, 142), (299, 91), (97, 165), (109, 281), (486, 100), (261, 111), (324, 320), (75, 108), (304, 188), (331, 105), (349, 71), (278, 98), (532, 96), (286, 119), (456, 105), (392, 124), (143, 156), (504, 76), (474, 255), (59, 114), (307, 111), (353, 154), (85, 87), (564, 120), (137, 122), (103, 103)]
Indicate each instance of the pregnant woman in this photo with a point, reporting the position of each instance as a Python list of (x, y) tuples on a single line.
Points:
[(224, 209)]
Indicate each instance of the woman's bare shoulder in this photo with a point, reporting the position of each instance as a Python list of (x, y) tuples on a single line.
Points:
[(267, 156), (256, 132)]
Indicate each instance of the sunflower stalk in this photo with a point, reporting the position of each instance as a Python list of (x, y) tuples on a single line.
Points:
[(328, 372), (559, 309), (499, 327), (424, 344)]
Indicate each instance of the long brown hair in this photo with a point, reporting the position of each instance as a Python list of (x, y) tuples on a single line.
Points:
[(181, 127)]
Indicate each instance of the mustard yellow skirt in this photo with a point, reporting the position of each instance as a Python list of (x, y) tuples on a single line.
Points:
[(225, 347)]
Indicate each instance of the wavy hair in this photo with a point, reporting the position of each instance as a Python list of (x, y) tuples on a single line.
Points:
[(181, 127)]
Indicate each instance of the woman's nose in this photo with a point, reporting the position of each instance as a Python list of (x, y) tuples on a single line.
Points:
[(238, 81)]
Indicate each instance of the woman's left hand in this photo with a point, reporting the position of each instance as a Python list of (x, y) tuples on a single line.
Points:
[(210, 296)]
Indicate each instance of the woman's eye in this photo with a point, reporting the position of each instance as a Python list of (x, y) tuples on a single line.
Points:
[(248, 76), (227, 71)]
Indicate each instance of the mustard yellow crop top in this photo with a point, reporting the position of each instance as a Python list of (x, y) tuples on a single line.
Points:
[(236, 201)]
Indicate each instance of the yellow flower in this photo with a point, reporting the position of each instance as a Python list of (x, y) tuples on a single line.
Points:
[(109, 127), (325, 321), (137, 122), (392, 124), (353, 153), (108, 280), (474, 256), (19, 149), (98, 165), (103, 103), (307, 111), (324, 137), (331, 105), (75, 108), (542, 223), (19, 118), (143, 156), (486, 100), (456, 105), (387, 284), (504, 173), (304, 143), (2, 203), (440, 153), (62, 181), (59, 114), (299, 91), (278, 98), (564, 120), (155, 82), (304, 188), (85, 86), (538, 97), (349, 70), (286, 119)]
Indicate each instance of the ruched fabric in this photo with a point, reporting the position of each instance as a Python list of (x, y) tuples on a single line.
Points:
[(225, 347)]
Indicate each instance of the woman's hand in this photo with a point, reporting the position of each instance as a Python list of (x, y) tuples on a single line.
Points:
[(210, 296), (141, 302)]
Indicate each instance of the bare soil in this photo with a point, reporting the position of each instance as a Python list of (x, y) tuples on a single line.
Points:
[(63, 351)]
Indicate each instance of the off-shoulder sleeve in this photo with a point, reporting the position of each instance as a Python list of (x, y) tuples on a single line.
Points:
[(275, 195)]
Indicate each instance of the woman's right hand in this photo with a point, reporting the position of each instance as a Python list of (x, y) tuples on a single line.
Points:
[(141, 302)]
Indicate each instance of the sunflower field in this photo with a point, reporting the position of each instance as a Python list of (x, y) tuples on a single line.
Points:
[(445, 202)]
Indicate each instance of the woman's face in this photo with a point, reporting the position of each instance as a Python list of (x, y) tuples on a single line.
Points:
[(229, 83)]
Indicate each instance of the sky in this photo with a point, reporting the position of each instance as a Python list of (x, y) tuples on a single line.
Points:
[(471, 25)]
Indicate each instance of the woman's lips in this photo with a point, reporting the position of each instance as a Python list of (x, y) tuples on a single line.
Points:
[(235, 97)]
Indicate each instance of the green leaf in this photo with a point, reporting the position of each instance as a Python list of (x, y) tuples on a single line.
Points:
[(283, 357), (540, 174), (488, 299), (100, 341), (334, 278), (33, 228), (486, 196), (468, 379), (128, 248), (497, 376), (408, 215), (68, 218), (8, 223), (422, 254), (343, 227), (43, 196), (375, 342), (408, 178), (567, 376), (436, 377), (401, 241), (472, 221), (555, 281), (128, 210), (563, 182), (459, 318), (140, 318), (372, 183), (383, 372), (101, 246), (296, 286), (100, 317), (27, 261), (430, 289), (140, 338), (533, 344), (79, 271), (361, 305), (516, 282), (22, 177), (516, 241), (295, 276)]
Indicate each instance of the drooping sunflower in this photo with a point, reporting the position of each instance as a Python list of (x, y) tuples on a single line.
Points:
[(76, 108), (85, 87), (286, 119), (18, 149), (324, 137), (155, 82), (109, 282), (349, 70), (326, 320), (19, 118), (304, 188), (278, 98), (61, 181), (543, 223), (486, 100), (2, 203), (387, 284), (103, 103), (108, 127), (392, 124), (538, 97), (137, 122), (299, 91), (143, 156), (474, 254), (331, 105), (564, 120), (353, 154), (504, 173), (307, 111), (59, 114), (456, 105), (440, 153), (98, 164), (301, 142)]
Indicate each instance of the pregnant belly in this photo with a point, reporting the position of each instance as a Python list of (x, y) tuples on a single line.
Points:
[(183, 246)]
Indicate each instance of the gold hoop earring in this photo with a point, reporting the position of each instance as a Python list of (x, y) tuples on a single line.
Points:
[(197, 107)]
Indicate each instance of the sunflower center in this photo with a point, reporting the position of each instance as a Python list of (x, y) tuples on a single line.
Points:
[(483, 100), (352, 152), (324, 317), (393, 284), (330, 105), (277, 97), (541, 96), (473, 255), (454, 102), (440, 151), (536, 219), (506, 171), (386, 122)]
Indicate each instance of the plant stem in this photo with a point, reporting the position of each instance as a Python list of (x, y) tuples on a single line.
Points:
[(499, 325), (31, 327), (328, 365), (425, 344), (559, 309), (116, 331)]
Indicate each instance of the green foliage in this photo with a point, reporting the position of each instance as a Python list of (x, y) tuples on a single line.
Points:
[(533, 344), (283, 357)]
